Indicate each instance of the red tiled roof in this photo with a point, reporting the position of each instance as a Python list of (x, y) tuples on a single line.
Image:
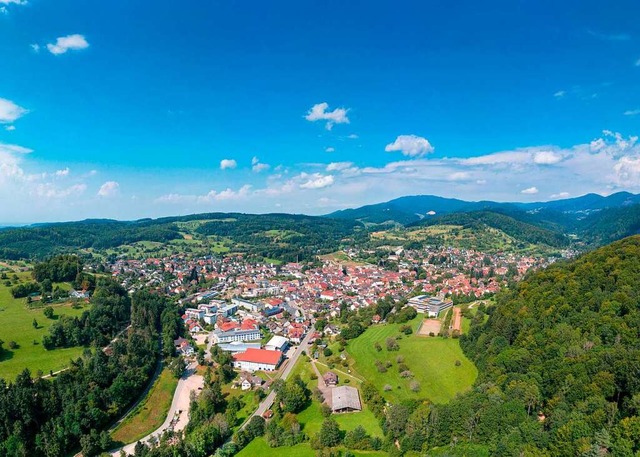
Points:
[(259, 356)]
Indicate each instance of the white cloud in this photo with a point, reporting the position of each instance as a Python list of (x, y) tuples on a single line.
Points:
[(228, 164), (353, 136), (319, 112), (339, 166), (63, 44), (530, 190), (10, 112), (63, 172), (48, 190), (546, 158), (560, 195), (410, 145), (559, 94), (459, 176), (208, 198), (35, 47), (627, 171), (637, 64), (10, 128), (109, 189), (330, 149), (317, 181), (14, 149), (4, 10), (14, 2), (632, 112), (258, 167)]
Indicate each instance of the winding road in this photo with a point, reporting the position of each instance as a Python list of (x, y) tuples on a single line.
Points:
[(178, 415)]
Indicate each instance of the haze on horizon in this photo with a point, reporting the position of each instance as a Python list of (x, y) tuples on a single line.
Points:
[(128, 110)]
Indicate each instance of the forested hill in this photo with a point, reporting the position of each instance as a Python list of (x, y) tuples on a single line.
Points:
[(279, 236), (559, 359), (517, 229)]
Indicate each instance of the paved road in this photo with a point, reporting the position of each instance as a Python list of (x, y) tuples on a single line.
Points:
[(286, 371), (178, 415)]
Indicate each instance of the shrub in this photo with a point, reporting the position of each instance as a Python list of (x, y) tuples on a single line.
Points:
[(392, 344), (387, 388), (380, 366), (400, 359), (458, 363), (378, 347), (414, 386)]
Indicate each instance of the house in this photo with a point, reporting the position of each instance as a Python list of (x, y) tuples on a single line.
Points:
[(331, 330), (345, 399), (330, 379), (296, 334), (194, 327), (432, 306), (249, 381), (183, 346), (257, 359), (277, 343)]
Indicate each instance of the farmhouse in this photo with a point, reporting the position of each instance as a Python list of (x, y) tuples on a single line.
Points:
[(345, 399), (432, 306), (257, 359)]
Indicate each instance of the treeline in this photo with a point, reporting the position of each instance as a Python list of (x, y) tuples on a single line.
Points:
[(559, 359), (72, 411), (42, 241), (61, 268)]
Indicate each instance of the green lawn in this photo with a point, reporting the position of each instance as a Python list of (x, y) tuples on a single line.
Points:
[(16, 324), (150, 413), (259, 447), (431, 360)]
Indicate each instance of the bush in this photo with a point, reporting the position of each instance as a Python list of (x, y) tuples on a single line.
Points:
[(378, 347), (380, 366), (327, 352), (414, 386), (400, 359), (406, 329), (387, 388), (402, 367), (458, 363), (392, 344)]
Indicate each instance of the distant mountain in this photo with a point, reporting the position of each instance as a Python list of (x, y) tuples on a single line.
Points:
[(407, 210)]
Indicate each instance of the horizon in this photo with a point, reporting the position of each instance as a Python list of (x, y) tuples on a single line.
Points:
[(133, 110), (4, 225)]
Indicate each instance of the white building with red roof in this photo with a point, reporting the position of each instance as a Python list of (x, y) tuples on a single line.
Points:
[(257, 359)]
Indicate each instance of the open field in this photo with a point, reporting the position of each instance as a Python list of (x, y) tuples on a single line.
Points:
[(431, 360), (259, 447), (16, 324), (150, 413)]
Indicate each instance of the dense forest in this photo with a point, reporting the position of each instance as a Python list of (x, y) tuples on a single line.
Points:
[(71, 411), (559, 359), (284, 237)]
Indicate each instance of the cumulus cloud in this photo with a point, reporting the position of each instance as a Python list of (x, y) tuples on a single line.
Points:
[(258, 166), (559, 94), (109, 189), (320, 112), (63, 44), (632, 112), (330, 149), (530, 191), (228, 164), (353, 136), (14, 149), (546, 157), (627, 171), (410, 145), (10, 112), (208, 198), (35, 47), (63, 172), (560, 195), (317, 181)]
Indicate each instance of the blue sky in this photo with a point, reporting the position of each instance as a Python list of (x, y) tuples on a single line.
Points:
[(135, 109)]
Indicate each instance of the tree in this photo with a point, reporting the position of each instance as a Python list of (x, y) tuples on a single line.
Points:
[(256, 426), (35, 324), (329, 435), (48, 312)]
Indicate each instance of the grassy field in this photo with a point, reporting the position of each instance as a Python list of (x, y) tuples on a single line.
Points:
[(431, 360), (259, 447), (16, 324), (150, 413)]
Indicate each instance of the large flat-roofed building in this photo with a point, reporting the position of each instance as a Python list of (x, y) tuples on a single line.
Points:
[(257, 359), (431, 306), (236, 334), (345, 399), (277, 343)]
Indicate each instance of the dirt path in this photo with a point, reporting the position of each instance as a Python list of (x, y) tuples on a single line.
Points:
[(326, 391), (457, 319)]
